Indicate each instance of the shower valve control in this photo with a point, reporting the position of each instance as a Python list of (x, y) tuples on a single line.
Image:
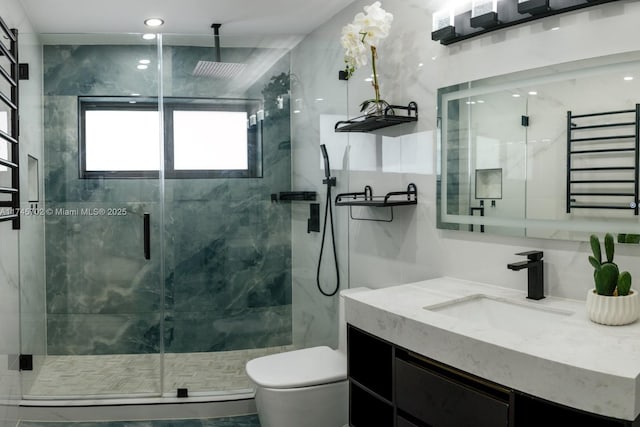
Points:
[(331, 181), (313, 222)]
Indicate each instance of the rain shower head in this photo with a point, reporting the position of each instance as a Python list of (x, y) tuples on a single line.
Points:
[(218, 69)]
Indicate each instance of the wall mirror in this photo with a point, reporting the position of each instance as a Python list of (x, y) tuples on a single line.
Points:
[(544, 153)]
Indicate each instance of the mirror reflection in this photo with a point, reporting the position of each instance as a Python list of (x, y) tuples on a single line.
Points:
[(546, 153)]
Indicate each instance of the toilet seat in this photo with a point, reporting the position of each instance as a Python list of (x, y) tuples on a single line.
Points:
[(298, 368)]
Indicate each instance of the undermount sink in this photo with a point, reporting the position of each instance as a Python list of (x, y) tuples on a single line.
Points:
[(484, 311)]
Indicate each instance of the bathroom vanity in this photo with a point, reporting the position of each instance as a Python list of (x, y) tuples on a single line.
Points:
[(448, 352)]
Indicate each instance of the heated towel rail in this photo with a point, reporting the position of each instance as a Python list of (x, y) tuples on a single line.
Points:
[(602, 160), (9, 127)]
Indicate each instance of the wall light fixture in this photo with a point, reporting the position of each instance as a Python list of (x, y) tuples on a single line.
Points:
[(533, 7), (484, 13), (443, 25), (476, 17)]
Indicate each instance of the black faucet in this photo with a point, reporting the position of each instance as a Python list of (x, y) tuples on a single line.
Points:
[(535, 288)]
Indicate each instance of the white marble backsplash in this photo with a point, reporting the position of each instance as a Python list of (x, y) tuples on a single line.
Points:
[(412, 67)]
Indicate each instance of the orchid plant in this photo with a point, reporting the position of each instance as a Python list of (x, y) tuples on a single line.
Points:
[(361, 38)]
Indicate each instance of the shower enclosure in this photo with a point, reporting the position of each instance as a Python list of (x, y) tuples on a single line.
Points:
[(168, 259)]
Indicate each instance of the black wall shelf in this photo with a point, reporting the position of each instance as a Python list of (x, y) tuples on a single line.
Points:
[(10, 208), (285, 196), (366, 198), (368, 123), (612, 191), (509, 13), (389, 200)]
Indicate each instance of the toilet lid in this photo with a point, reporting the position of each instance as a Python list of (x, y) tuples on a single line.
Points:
[(299, 368)]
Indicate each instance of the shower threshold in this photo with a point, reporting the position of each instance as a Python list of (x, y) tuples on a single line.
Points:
[(138, 409)]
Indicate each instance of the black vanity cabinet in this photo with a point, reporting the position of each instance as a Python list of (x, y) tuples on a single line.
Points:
[(437, 396), (370, 369), (393, 387)]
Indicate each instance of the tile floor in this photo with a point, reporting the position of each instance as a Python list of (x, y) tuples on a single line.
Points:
[(135, 374), (244, 421)]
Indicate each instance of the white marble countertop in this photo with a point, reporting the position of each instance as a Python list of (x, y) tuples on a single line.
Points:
[(573, 361)]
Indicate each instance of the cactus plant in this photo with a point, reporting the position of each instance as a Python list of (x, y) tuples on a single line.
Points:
[(608, 247), (624, 283), (608, 279)]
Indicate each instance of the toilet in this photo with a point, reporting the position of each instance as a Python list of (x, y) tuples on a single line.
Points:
[(305, 387)]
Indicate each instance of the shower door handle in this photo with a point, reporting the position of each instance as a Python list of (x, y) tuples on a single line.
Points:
[(147, 236)]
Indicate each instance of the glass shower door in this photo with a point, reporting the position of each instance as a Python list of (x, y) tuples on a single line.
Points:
[(228, 237), (92, 312)]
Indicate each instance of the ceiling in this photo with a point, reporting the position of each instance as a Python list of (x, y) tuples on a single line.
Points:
[(287, 19)]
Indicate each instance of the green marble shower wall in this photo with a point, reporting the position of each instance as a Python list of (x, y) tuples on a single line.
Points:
[(224, 281)]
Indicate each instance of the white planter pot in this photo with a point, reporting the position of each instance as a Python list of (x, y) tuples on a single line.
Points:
[(613, 310)]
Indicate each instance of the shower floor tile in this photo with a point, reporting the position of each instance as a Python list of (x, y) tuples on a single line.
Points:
[(136, 375), (244, 421)]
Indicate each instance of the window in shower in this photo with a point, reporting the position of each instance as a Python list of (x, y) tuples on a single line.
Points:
[(204, 138), (219, 138), (120, 140)]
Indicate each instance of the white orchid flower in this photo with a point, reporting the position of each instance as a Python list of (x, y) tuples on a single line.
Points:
[(361, 38)]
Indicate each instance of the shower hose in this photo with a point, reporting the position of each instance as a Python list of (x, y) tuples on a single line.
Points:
[(328, 213)]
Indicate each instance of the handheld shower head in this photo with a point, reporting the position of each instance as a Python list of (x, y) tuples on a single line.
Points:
[(327, 168), (328, 179), (330, 182)]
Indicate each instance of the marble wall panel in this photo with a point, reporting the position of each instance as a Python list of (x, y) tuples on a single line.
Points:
[(21, 253), (133, 333), (412, 67), (227, 250), (227, 329)]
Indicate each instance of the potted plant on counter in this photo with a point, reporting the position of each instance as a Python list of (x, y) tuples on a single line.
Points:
[(612, 302)]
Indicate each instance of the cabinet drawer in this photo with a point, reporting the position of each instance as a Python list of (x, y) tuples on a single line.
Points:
[(445, 402)]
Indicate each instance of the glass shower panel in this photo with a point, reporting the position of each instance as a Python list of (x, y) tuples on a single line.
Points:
[(92, 312), (486, 158), (497, 156), (228, 239)]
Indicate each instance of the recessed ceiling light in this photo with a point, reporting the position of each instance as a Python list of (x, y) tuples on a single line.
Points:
[(133, 102), (319, 99), (149, 36), (153, 22), (516, 95), (368, 79), (533, 92), (135, 94), (555, 28), (421, 65), (142, 66), (628, 78), (145, 61), (480, 101)]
